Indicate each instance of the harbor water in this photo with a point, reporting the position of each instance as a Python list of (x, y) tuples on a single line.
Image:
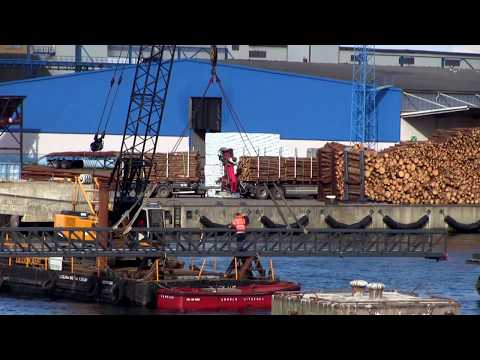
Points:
[(452, 278)]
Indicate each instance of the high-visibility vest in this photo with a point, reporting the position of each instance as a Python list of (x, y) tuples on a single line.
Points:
[(240, 224)]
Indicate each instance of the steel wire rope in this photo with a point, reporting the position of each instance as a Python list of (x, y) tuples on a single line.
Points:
[(194, 112), (119, 81), (236, 118), (107, 99)]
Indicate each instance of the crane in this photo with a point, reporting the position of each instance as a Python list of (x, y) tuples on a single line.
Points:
[(133, 166), (130, 176)]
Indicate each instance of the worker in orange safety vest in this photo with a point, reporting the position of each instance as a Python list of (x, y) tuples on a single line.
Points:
[(240, 223)]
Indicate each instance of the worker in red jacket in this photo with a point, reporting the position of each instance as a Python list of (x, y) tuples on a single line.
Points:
[(240, 223)]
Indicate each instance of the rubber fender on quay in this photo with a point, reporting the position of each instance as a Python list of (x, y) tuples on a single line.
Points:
[(210, 224), (268, 223), (362, 224), (392, 224), (462, 228)]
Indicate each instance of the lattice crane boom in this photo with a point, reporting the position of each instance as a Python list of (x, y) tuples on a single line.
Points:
[(133, 167), (363, 117)]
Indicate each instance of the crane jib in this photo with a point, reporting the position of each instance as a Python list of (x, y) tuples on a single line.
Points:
[(150, 85)]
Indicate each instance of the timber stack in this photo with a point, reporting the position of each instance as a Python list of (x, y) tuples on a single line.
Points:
[(178, 166), (328, 180), (302, 170), (443, 170)]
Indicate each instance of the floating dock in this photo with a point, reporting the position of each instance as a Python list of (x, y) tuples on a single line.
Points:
[(351, 303)]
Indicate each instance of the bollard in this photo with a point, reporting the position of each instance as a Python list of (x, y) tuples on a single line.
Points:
[(358, 287), (375, 290)]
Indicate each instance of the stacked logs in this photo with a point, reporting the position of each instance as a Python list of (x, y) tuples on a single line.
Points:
[(354, 171), (443, 170), (274, 168), (328, 157), (177, 166)]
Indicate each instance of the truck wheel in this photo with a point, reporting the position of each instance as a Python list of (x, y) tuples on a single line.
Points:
[(261, 193), (66, 164), (277, 194), (163, 191)]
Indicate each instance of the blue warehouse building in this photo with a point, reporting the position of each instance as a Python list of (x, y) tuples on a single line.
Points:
[(62, 112)]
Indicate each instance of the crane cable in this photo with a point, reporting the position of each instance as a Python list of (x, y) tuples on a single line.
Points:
[(236, 119), (119, 81), (194, 112), (98, 141), (213, 62)]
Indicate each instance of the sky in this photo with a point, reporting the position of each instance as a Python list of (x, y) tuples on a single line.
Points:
[(452, 48)]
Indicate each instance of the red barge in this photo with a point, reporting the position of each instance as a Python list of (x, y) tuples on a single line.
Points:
[(256, 296)]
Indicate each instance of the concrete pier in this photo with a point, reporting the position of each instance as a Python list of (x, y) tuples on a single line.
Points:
[(338, 303), (223, 211), (37, 201)]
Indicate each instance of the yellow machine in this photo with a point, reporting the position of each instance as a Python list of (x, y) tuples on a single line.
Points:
[(80, 219)]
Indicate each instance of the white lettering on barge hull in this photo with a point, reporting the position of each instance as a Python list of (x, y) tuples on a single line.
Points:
[(71, 277), (192, 299)]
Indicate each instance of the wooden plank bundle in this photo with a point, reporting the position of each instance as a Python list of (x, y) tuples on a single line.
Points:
[(178, 166), (274, 168)]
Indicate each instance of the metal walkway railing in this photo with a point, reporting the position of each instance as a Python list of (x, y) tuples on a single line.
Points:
[(38, 242), (95, 63)]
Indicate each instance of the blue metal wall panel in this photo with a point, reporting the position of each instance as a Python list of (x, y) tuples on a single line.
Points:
[(295, 106)]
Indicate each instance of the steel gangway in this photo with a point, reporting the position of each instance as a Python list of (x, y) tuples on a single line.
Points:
[(158, 242)]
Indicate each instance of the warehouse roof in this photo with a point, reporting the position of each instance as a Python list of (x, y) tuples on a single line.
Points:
[(408, 78)]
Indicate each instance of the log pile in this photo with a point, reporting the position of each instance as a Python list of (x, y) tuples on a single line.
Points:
[(48, 173), (443, 170), (273, 168), (327, 158), (178, 169), (179, 166)]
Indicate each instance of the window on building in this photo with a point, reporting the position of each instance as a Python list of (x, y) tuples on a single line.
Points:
[(353, 58), (235, 47), (406, 60), (258, 54), (15, 46)]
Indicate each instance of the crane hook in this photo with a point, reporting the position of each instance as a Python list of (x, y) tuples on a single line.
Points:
[(97, 144)]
